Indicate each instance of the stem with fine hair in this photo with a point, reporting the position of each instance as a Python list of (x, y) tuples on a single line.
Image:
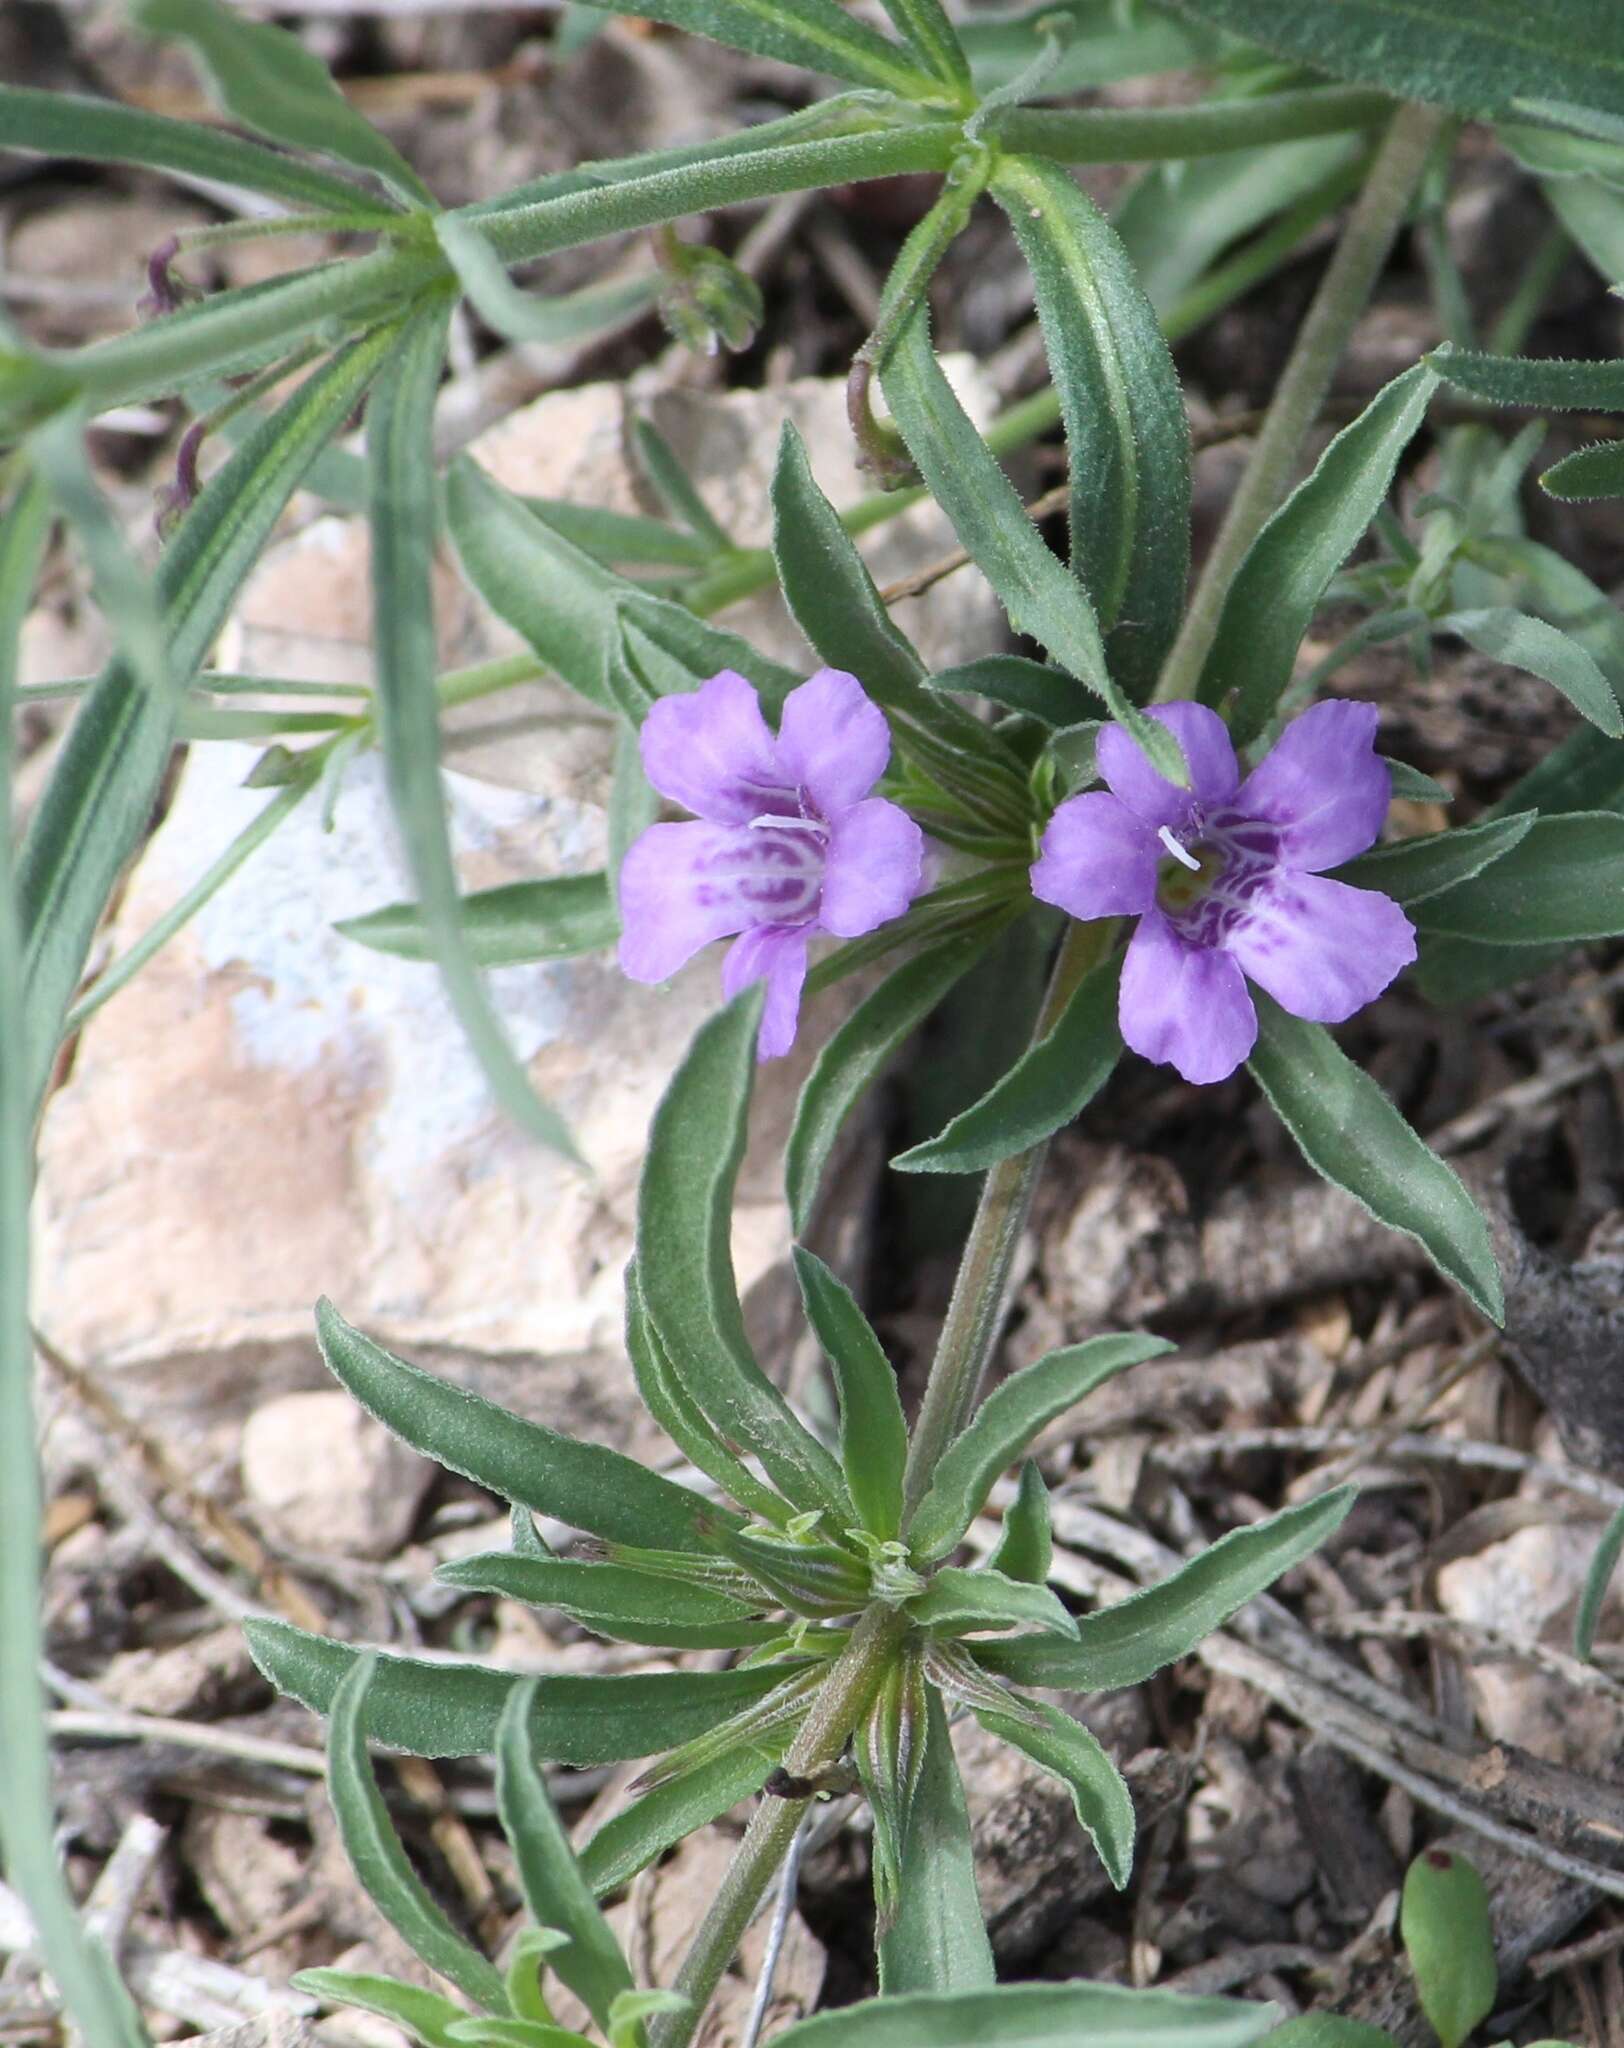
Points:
[(975, 1315), (839, 1705), (1343, 294)]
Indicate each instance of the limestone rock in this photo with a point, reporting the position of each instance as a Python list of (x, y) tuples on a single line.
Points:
[(271, 1112), (328, 1477)]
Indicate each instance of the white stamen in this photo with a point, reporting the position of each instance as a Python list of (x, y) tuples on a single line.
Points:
[(1165, 835), (775, 821)]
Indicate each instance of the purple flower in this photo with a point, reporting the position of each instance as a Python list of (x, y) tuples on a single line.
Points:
[(1225, 879), (786, 841)]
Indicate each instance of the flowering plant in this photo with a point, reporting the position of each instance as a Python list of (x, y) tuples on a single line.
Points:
[(901, 819)]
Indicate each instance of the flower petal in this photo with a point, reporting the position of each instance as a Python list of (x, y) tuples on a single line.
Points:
[(683, 885), (1205, 740), (775, 953), (1098, 860), (1184, 1005), (1322, 786), (833, 741), (712, 753), (1321, 948), (873, 869)]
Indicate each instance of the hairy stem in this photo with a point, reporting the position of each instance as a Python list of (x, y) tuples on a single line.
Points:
[(1342, 296), (975, 1315), (836, 1711), (1150, 134)]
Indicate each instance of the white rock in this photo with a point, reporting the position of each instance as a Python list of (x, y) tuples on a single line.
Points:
[(328, 1477), (271, 1112)]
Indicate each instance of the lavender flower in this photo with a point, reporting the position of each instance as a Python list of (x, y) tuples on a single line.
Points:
[(1225, 879), (786, 841)]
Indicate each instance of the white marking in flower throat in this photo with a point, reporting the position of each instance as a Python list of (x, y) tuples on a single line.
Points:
[(1165, 835)]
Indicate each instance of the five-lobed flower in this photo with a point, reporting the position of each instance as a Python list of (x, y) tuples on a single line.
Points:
[(786, 842), (1226, 879)]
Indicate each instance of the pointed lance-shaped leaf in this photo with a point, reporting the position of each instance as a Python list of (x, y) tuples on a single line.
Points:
[(378, 1858), (1135, 1638), (1127, 432), (1350, 1132), (1068, 1751), (554, 1889), (453, 1709), (586, 1485), (873, 1434), (1005, 1424)]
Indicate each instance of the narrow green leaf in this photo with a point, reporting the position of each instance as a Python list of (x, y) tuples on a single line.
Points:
[(658, 1820), (924, 25), (378, 1858), (423, 2014), (1005, 1424), (522, 921), (1030, 687), (1037, 2016), (268, 80), (1041, 597), (99, 800), (86, 1974), (1594, 472), (676, 489), (873, 1435), (525, 2033), (1127, 433), (1103, 48), (554, 1889), (400, 461), (1478, 60), (634, 805), (1597, 1580), (1137, 1637), (1452, 972), (1563, 880), (816, 34), (1048, 1085), (1542, 650), (938, 1940), (1026, 1547), (446, 1709), (1415, 787), (683, 1420), (828, 587), (960, 1602), (616, 1600), (1350, 1132), (1547, 382), (1444, 1919), (889, 1750), (1411, 870), (685, 1262), (1065, 1749), (617, 538), (858, 1050), (586, 1485), (528, 316), (1287, 568), (569, 608), (64, 124)]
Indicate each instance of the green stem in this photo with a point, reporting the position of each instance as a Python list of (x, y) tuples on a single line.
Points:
[(588, 216), (1343, 294), (838, 1707), (975, 1315), (1099, 135), (1527, 301)]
